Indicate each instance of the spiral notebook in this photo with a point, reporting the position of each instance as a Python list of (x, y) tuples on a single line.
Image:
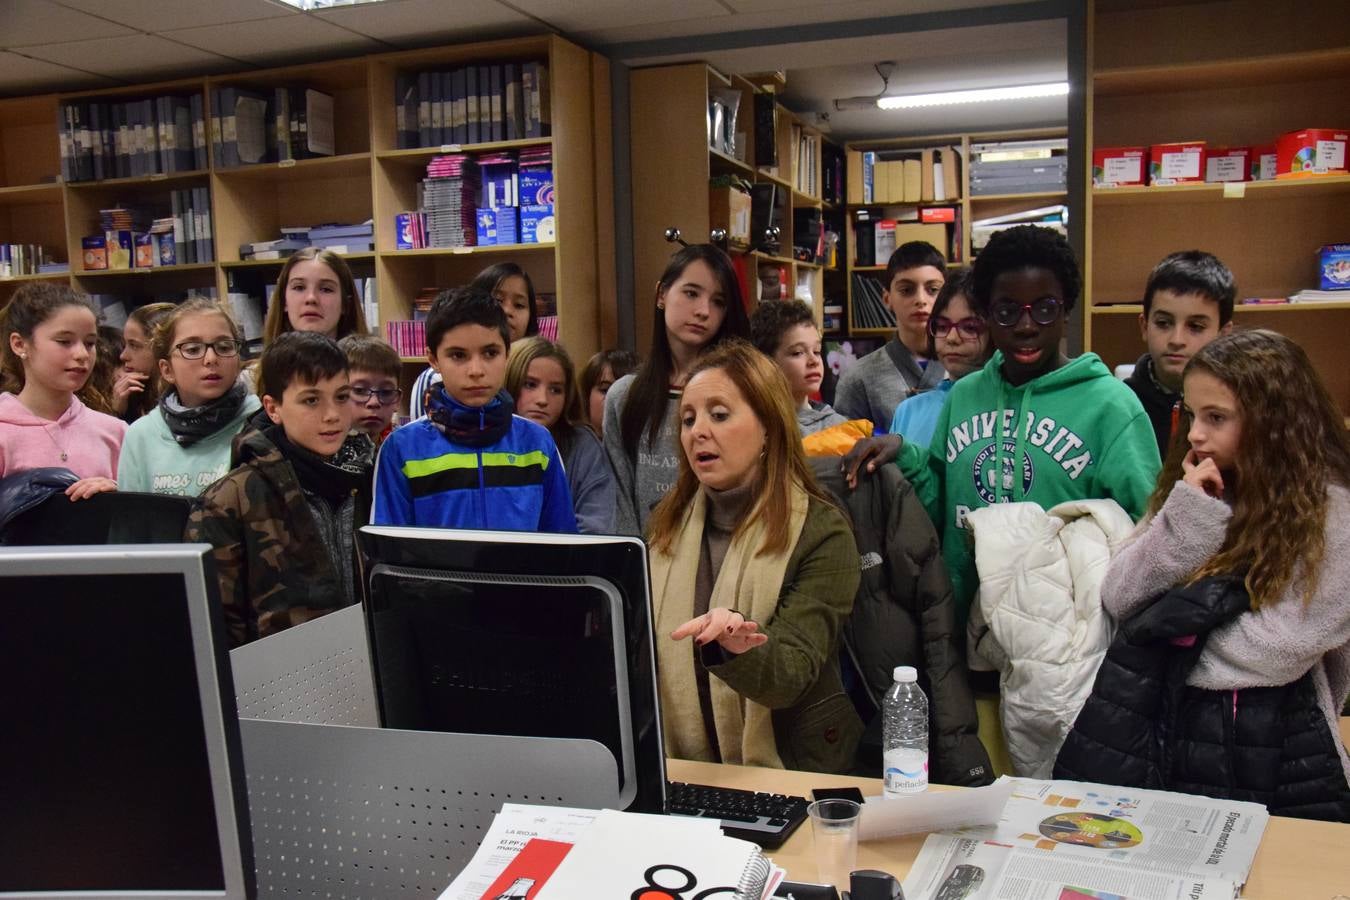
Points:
[(622, 855)]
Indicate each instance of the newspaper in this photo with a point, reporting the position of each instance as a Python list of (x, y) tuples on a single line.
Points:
[(1068, 840)]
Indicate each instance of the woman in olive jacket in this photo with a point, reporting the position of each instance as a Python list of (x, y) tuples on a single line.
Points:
[(750, 560)]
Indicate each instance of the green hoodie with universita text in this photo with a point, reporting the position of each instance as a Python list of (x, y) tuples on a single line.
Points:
[(1076, 433)]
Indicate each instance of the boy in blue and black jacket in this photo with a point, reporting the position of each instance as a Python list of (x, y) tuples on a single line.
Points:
[(470, 462)]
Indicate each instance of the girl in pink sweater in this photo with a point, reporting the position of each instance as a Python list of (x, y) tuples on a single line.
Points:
[(51, 337)]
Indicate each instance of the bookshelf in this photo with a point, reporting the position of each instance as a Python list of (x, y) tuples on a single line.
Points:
[(1249, 81), (673, 162), (957, 249), (369, 177)]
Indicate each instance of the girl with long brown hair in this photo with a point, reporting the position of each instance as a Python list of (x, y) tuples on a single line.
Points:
[(699, 303), (751, 560), (1247, 546)]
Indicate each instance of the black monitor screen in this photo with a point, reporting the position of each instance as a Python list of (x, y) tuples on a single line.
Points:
[(105, 781), (493, 657)]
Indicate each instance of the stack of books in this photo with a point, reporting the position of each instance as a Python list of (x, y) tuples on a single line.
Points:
[(472, 104), (340, 238), (131, 138), (1055, 217), (1019, 167), (449, 200)]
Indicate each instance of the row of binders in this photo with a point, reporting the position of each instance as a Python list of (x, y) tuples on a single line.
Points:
[(904, 176), (472, 105), (131, 138), (285, 123), (28, 259)]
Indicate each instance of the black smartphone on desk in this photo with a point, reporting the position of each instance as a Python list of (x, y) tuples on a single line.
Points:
[(843, 793)]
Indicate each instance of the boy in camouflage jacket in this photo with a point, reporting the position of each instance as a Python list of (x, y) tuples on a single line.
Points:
[(283, 522)]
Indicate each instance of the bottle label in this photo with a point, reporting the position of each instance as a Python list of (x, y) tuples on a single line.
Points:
[(905, 771)]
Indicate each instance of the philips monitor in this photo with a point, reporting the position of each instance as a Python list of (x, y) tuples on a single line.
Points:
[(121, 773), (513, 633)]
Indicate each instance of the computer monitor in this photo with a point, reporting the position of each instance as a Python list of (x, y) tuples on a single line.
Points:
[(121, 772), (540, 635)]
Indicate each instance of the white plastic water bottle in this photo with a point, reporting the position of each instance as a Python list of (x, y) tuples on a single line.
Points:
[(905, 735)]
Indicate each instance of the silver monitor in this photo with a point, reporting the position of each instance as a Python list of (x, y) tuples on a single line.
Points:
[(120, 767)]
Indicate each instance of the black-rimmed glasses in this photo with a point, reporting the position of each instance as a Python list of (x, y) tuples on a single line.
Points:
[(386, 396), (969, 328), (197, 349)]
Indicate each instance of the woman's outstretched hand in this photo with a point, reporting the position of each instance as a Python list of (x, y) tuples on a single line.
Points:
[(870, 453), (727, 627)]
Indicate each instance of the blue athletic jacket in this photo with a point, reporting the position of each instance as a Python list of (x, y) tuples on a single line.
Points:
[(515, 483)]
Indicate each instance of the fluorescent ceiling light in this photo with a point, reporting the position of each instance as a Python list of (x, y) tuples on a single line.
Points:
[(981, 95), (326, 4)]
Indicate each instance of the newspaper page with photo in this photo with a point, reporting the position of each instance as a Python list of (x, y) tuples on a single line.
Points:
[(1066, 840)]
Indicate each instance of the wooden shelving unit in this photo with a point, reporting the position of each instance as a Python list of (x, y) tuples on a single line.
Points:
[(970, 208), (1248, 82), (368, 178), (672, 162)]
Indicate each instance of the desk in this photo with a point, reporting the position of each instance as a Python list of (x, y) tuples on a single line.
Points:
[(1298, 859)]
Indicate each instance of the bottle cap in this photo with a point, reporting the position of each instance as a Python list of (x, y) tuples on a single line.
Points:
[(905, 674)]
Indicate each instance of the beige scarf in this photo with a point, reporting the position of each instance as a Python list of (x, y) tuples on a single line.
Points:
[(748, 583)]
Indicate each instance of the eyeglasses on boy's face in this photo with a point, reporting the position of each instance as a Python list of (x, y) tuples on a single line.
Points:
[(197, 349), (386, 396), (1044, 311), (969, 328)]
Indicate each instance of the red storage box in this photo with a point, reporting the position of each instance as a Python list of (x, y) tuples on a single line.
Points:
[(1312, 151), (1179, 163), (1228, 164), (1118, 166)]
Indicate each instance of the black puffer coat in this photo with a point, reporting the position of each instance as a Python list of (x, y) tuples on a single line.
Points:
[(904, 615), (1144, 727)]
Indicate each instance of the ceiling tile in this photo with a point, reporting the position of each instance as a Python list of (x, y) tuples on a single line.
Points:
[(140, 57), (291, 41), (163, 15), (30, 22), (578, 18), (22, 75), (424, 22)]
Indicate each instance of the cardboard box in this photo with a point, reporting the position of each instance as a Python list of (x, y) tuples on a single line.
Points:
[(935, 234), (95, 249), (1118, 166), (1334, 265), (1228, 164), (883, 240), (118, 244), (164, 249), (535, 184), (1312, 151), (1178, 163), (729, 208), (497, 226), (145, 250), (1263, 164), (537, 225)]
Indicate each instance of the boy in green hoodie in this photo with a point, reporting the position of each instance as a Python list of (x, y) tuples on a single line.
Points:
[(1032, 425)]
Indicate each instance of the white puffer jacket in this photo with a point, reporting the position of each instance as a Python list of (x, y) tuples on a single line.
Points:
[(1038, 618)]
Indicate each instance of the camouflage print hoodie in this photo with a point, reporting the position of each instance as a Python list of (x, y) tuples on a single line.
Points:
[(270, 555)]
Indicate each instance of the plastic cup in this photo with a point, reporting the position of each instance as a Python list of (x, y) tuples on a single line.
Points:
[(834, 833)]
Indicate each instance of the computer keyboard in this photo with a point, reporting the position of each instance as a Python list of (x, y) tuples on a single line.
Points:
[(766, 819)]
